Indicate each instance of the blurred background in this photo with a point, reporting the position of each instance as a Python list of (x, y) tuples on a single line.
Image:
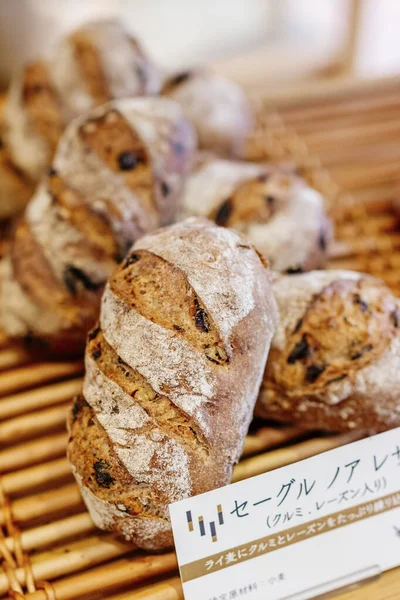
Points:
[(259, 43)]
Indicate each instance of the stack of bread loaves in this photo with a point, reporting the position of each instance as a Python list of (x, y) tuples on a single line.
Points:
[(96, 63), (117, 174)]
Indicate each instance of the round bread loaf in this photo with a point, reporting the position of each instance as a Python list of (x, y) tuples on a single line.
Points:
[(269, 204), (95, 64), (218, 109), (117, 174), (334, 362), (172, 374)]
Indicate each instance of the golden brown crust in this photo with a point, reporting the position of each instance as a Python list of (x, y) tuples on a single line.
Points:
[(90, 67), (317, 374), (82, 216), (142, 281), (121, 148), (42, 103), (15, 187)]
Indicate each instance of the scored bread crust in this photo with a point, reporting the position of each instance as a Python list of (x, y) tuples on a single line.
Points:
[(217, 107), (172, 374), (96, 63), (271, 205), (117, 174), (335, 358)]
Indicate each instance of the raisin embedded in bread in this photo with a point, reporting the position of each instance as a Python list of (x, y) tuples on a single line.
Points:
[(172, 374), (217, 108), (335, 358), (270, 205), (96, 63), (118, 174)]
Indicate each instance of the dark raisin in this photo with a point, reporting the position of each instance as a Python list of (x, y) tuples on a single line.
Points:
[(121, 362), (338, 378), (51, 172), (28, 338), (131, 259), (115, 410), (92, 334), (269, 200), (180, 78), (298, 325), (322, 240), (362, 304), (201, 318), (118, 258), (361, 352), (73, 275), (395, 318), (294, 270), (101, 474), (313, 372), (79, 403), (165, 189), (96, 354), (127, 160), (301, 350), (178, 147), (178, 328), (224, 212)]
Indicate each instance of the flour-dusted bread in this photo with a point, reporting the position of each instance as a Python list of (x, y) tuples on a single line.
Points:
[(334, 362), (95, 64), (218, 109), (172, 374), (101, 62), (270, 205), (117, 175)]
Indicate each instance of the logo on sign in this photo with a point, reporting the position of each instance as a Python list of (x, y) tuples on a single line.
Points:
[(202, 530)]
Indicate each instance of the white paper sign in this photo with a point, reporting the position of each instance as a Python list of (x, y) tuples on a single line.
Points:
[(296, 532)]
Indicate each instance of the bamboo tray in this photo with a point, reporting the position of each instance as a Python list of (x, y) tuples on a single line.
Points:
[(344, 140)]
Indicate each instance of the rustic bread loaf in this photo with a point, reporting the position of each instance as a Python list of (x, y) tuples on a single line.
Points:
[(269, 204), (95, 64), (172, 374), (101, 62), (334, 362), (217, 108), (117, 174)]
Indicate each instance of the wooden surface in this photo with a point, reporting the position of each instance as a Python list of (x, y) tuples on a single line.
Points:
[(345, 142)]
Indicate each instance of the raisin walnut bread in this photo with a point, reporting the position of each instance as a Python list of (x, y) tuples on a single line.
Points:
[(334, 362), (269, 204), (172, 375), (94, 64), (217, 107), (118, 174)]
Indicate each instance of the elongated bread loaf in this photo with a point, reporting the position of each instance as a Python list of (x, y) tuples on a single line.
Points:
[(269, 204), (335, 358), (172, 374), (96, 63), (217, 107), (117, 174)]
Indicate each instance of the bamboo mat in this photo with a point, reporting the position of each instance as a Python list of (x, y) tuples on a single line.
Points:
[(344, 142)]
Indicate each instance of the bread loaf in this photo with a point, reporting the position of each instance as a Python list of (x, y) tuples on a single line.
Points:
[(217, 108), (334, 362), (270, 205), (117, 174), (95, 64), (172, 374)]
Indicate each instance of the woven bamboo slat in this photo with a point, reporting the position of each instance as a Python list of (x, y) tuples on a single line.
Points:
[(342, 138)]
